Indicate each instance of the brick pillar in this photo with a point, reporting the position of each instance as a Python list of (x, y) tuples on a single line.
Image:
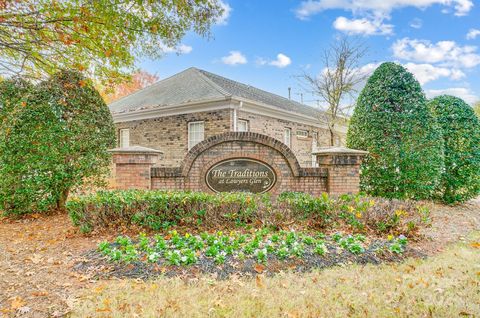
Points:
[(132, 167), (343, 165)]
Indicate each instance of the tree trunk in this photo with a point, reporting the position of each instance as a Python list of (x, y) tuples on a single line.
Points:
[(62, 200), (332, 137)]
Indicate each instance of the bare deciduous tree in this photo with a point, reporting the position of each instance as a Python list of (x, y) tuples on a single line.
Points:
[(338, 82)]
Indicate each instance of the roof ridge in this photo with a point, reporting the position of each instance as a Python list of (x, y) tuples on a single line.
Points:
[(153, 84), (256, 88), (211, 83)]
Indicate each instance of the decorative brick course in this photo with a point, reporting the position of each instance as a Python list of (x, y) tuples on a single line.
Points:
[(338, 173)]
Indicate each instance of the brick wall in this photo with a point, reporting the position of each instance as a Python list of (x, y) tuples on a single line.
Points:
[(301, 146), (170, 134), (133, 170), (338, 172)]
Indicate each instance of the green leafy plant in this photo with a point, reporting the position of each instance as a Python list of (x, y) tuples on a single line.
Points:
[(352, 244), (184, 250), (317, 210), (98, 37), (461, 138), (392, 121), (42, 161), (398, 245)]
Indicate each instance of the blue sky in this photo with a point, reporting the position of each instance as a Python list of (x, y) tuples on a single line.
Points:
[(268, 43)]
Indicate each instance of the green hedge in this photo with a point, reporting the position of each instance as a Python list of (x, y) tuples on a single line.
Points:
[(161, 209), (157, 210)]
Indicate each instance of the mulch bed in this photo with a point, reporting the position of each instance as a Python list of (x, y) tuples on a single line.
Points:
[(96, 265)]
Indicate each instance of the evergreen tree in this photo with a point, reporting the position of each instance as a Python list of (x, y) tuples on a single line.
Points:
[(461, 135), (54, 139), (393, 122)]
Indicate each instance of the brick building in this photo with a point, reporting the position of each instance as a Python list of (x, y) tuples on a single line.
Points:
[(198, 131), (175, 114)]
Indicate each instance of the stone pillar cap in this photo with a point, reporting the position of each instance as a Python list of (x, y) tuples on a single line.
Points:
[(338, 151), (134, 150)]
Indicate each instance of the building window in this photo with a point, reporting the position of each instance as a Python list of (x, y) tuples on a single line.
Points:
[(124, 138), (302, 133), (196, 133), (242, 125), (287, 137)]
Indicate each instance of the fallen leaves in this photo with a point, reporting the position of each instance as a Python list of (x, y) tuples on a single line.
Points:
[(259, 281), (17, 302), (259, 268), (475, 244), (35, 258)]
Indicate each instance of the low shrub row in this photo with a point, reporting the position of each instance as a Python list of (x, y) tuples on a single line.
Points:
[(160, 210)]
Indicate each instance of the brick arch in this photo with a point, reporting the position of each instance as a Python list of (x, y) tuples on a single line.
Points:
[(248, 136)]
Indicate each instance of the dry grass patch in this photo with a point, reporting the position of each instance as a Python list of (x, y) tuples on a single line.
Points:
[(446, 285)]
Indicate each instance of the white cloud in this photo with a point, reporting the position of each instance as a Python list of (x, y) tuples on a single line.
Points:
[(261, 61), (362, 26), (378, 7), (448, 53), (472, 34), (184, 49), (234, 58), (425, 73), (464, 93), (180, 49), (281, 61), (416, 23), (367, 69), (223, 19)]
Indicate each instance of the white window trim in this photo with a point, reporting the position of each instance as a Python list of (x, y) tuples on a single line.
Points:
[(124, 140), (300, 135), (243, 121), (190, 124), (287, 136)]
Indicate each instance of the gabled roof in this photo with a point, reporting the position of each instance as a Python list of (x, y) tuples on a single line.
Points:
[(195, 85)]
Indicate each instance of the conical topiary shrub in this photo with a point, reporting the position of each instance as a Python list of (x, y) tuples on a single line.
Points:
[(461, 136), (393, 122)]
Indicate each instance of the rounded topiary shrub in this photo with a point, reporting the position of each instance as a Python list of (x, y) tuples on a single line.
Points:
[(393, 122), (53, 140), (461, 135)]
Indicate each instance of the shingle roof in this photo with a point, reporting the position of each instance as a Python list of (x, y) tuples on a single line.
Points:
[(197, 85)]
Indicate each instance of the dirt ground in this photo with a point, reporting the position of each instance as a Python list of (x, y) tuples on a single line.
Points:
[(37, 256)]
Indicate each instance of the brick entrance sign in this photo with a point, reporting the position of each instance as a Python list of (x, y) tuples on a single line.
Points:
[(239, 161)]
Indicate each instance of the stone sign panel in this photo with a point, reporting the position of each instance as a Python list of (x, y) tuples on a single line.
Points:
[(240, 175)]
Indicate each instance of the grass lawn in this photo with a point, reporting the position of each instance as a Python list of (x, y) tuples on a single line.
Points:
[(444, 285)]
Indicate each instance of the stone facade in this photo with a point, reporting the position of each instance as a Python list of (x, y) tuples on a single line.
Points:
[(337, 172), (169, 134)]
